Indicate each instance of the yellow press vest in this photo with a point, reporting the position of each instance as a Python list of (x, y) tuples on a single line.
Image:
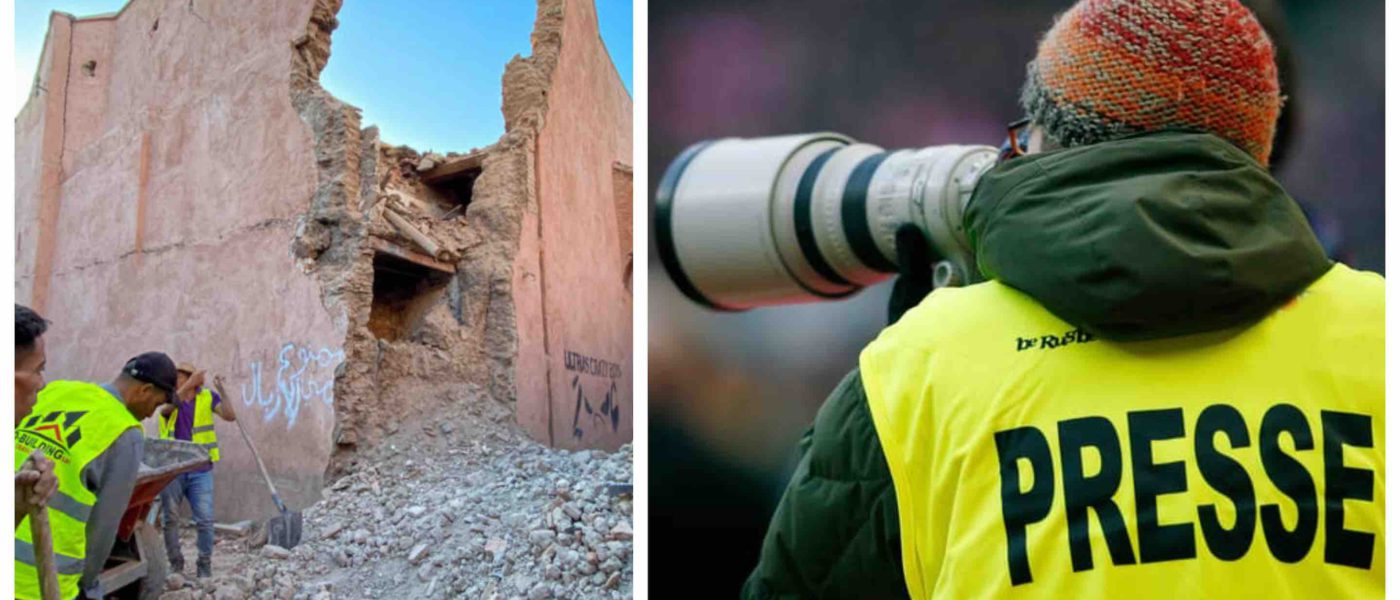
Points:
[(203, 433), (1031, 460), (73, 423)]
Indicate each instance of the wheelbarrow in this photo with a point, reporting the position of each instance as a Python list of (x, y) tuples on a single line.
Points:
[(137, 566)]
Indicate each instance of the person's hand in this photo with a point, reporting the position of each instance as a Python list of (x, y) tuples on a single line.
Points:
[(914, 259), (225, 406), (197, 378), (35, 482)]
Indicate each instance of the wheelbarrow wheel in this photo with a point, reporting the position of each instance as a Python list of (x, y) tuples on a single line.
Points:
[(150, 544)]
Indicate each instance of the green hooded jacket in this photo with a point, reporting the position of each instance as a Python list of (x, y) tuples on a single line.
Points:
[(1145, 237)]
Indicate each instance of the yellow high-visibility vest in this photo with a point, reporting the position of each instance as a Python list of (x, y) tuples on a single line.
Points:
[(1031, 460), (203, 432), (73, 422)]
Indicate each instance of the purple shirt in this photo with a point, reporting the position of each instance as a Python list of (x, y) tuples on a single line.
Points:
[(184, 418)]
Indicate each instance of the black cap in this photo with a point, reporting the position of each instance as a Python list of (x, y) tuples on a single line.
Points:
[(154, 368)]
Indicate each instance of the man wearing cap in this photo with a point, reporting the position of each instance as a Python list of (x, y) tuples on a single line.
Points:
[(191, 419), (1164, 389), (92, 432)]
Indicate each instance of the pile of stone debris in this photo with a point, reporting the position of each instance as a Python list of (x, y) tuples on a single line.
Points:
[(447, 512)]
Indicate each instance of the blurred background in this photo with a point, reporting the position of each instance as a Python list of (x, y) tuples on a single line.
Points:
[(730, 394)]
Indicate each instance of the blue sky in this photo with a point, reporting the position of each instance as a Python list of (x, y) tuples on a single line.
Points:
[(427, 72)]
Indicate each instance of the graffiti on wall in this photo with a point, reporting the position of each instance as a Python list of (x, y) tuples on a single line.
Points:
[(593, 412), (299, 376)]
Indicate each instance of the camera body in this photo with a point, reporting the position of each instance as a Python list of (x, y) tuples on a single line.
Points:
[(745, 223)]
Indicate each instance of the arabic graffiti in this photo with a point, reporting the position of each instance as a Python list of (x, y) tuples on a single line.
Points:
[(302, 375), (608, 412)]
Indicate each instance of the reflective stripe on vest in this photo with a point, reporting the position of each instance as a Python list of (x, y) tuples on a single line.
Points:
[(66, 565), (73, 423), (203, 431), (1030, 459), (67, 505)]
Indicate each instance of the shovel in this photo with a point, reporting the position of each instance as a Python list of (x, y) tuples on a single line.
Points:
[(284, 529), (42, 537)]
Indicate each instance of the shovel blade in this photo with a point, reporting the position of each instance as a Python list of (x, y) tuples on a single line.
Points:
[(285, 530)]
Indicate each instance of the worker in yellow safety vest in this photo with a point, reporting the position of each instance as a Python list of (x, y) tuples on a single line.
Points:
[(191, 418), (34, 481), (92, 432), (1164, 388)]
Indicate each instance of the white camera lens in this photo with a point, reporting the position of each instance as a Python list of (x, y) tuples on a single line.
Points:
[(743, 223)]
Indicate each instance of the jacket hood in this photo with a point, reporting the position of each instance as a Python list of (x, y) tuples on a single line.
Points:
[(1145, 237)]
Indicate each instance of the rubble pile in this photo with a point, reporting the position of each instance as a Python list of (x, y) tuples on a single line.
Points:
[(459, 509)]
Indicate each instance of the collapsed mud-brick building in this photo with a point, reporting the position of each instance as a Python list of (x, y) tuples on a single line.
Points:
[(185, 184)]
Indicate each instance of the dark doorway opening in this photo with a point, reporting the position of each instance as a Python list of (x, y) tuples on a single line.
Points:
[(453, 181), (404, 291)]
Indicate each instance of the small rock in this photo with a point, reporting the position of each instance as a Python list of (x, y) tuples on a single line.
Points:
[(540, 592), (277, 552), (244, 584), (417, 554), (416, 511), (613, 581), (611, 565), (540, 537), (496, 547), (621, 531), (426, 164), (228, 592)]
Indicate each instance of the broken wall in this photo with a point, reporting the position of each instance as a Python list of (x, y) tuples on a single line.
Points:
[(160, 170), (185, 184)]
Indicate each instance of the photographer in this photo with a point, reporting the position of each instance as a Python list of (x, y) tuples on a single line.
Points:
[(1153, 394)]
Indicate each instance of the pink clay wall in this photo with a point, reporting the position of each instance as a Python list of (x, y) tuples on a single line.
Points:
[(587, 307), (176, 169)]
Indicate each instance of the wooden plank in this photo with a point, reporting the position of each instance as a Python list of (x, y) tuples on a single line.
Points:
[(454, 167), (239, 529), (124, 574), (392, 249)]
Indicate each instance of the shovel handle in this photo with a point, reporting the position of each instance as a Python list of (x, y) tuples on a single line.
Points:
[(261, 467), (42, 537)]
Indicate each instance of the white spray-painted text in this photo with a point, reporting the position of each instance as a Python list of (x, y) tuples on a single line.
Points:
[(302, 375)]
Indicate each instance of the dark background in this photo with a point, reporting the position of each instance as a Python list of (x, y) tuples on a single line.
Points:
[(730, 394)]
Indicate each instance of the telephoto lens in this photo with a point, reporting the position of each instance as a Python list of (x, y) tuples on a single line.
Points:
[(745, 223)]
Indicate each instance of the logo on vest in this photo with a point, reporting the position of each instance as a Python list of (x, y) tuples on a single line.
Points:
[(1051, 342), (54, 432)]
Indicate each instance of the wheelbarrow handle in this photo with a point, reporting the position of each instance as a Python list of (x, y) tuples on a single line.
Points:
[(276, 499)]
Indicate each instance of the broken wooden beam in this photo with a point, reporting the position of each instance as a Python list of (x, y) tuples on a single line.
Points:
[(395, 250), (408, 230), (454, 167), (240, 529)]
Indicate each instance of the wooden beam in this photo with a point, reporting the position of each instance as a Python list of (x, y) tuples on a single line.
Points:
[(453, 168), (397, 251), (126, 573)]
